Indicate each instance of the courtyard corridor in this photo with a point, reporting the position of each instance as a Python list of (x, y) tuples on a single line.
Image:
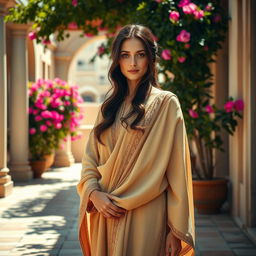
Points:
[(40, 218)]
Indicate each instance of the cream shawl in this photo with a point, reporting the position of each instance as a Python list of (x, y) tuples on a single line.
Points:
[(148, 174)]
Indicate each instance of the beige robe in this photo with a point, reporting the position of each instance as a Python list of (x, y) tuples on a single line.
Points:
[(148, 174)]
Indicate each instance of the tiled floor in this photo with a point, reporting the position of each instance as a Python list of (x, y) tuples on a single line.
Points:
[(40, 218)]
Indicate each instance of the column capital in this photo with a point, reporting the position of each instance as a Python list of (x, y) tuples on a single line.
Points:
[(4, 5), (20, 30)]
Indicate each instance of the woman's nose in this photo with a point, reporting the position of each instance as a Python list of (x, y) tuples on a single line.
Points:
[(133, 61)]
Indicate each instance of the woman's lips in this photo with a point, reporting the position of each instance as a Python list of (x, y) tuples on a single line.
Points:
[(133, 71)]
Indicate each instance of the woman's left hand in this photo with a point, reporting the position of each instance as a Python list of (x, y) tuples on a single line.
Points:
[(173, 243)]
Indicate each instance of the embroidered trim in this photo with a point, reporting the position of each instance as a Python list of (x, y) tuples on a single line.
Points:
[(150, 112), (181, 236)]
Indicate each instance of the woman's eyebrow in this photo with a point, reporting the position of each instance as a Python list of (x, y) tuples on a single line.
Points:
[(137, 51)]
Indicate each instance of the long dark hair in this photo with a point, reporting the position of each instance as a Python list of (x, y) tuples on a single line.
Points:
[(119, 84)]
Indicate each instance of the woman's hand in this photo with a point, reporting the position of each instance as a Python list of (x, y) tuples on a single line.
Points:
[(103, 204), (173, 243)]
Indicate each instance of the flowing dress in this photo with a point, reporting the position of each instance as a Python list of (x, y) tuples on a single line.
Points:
[(148, 174)]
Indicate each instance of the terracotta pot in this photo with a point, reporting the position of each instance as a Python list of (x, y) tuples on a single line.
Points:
[(38, 167), (49, 160), (209, 195)]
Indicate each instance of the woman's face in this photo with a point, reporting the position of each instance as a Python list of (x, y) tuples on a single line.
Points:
[(133, 60)]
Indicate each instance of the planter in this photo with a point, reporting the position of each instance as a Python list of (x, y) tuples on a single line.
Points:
[(209, 195), (49, 160), (38, 167)]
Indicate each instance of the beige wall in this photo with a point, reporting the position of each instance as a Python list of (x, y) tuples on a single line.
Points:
[(240, 86)]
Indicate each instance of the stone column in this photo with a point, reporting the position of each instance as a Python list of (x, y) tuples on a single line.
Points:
[(63, 157), (19, 165), (6, 184)]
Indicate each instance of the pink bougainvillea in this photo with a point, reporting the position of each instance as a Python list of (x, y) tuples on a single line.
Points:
[(183, 36), (32, 35), (239, 105), (54, 113), (43, 128), (209, 109), (183, 3), (32, 131), (229, 106), (189, 8), (174, 16), (166, 54), (74, 2), (193, 113), (181, 59), (198, 14)]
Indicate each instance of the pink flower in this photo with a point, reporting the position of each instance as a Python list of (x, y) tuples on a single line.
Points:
[(67, 103), (181, 59), (32, 131), (58, 125), (45, 94), (30, 110), (189, 9), (193, 113), (43, 128), (38, 118), (89, 34), (206, 48), (183, 3), (48, 122), (73, 138), (198, 14), (46, 114), (74, 2), (56, 103), (174, 16), (166, 54), (72, 25), (46, 41), (209, 109), (183, 36), (208, 7), (229, 106), (239, 105), (32, 35), (35, 111)]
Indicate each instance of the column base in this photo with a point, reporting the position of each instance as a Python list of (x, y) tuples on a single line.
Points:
[(20, 172), (6, 189), (6, 184), (63, 159)]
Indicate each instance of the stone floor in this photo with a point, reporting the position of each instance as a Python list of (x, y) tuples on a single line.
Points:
[(40, 218)]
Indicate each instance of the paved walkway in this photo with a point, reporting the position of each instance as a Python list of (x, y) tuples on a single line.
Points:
[(40, 218)]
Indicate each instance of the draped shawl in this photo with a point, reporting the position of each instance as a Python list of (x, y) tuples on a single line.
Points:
[(148, 174)]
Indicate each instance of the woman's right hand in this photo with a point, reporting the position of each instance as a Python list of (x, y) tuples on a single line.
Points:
[(102, 202)]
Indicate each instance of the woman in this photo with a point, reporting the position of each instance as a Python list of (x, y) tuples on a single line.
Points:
[(136, 177)]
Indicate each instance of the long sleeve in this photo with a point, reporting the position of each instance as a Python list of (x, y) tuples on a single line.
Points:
[(89, 173), (179, 194)]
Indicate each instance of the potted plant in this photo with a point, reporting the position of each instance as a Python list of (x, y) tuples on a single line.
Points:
[(210, 192), (54, 113)]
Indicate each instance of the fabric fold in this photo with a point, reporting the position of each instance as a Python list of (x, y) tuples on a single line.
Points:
[(149, 175)]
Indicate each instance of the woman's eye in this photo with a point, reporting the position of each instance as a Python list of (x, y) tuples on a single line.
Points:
[(124, 56), (142, 54)]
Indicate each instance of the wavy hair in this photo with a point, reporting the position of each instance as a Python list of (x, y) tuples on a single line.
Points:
[(119, 84)]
